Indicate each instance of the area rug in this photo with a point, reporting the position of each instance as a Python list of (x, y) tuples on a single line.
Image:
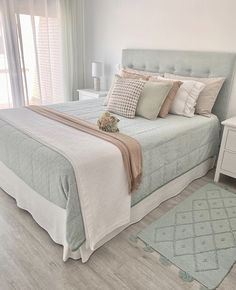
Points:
[(198, 235)]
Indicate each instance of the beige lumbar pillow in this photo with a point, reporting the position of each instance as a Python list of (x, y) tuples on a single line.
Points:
[(208, 95), (137, 74), (124, 97), (152, 98), (165, 108), (133, 74)]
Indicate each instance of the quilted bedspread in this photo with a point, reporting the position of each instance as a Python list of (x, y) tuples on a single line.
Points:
[(170, 146)]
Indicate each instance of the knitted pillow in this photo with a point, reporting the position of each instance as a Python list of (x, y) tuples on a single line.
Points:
[(124, 96)]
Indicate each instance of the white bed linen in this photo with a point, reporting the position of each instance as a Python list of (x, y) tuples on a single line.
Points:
[(99, 170)]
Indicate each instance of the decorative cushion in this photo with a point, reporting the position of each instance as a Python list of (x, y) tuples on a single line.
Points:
[(165, 108), (124, 96), (207, 96), (130, 74), (137, 74), (186, 98), (133, 75), (152, 98)]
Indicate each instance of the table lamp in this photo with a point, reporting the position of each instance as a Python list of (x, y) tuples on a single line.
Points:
[(97, 72)]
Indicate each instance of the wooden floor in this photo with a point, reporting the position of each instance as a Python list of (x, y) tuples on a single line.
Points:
[(30, 260)]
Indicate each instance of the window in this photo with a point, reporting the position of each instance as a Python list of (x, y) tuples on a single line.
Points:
[(30, 53)]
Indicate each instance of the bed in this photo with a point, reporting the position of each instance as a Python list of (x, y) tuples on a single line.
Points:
[(176, 150)]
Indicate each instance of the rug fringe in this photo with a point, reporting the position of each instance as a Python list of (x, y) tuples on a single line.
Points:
[(185, 276), (148, 249), (164, 261), (133, 239)]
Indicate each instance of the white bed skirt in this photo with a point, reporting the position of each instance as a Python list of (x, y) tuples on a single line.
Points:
[(53, 218)]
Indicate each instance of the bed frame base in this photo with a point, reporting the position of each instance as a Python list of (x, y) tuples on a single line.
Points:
[(53, 218)]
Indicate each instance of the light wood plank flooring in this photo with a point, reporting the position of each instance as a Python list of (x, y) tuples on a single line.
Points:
[(30, 260)]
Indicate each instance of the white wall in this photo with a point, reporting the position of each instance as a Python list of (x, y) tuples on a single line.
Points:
[(112, 25)]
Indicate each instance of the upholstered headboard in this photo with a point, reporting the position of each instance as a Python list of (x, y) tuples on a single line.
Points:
[(189, 63)]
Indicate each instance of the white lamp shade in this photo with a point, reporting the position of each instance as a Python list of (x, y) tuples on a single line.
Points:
[(118, 67), (97, 69)]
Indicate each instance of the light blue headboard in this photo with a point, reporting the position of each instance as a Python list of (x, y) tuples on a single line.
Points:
[(188, 63)]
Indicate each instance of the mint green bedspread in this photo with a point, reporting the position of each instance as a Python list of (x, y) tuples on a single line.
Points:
[(170, 146)]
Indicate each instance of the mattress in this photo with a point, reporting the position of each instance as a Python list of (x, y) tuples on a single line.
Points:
[(170, 147)]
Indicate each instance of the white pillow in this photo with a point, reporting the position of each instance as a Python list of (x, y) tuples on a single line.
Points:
[(208, 95), (186, 98)]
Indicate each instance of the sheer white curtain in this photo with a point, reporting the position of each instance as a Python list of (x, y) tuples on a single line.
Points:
[(72, 17), (31, 66), (12, 93)]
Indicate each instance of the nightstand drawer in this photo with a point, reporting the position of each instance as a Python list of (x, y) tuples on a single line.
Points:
[(227, 157), (231, 140), (229, 161)]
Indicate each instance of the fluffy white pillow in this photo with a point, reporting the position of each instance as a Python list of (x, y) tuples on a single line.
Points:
[(186, 98)]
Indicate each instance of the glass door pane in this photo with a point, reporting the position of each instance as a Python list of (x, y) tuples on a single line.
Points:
[(41, 52)]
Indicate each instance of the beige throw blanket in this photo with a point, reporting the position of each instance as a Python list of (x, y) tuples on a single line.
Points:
[(129, 147)]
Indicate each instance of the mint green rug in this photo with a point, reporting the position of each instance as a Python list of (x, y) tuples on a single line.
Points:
[(198, 235)]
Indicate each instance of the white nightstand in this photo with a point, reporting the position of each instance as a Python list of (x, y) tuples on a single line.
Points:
[(88, 94), (227, 157)]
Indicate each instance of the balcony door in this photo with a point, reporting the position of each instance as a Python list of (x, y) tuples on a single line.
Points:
[(30, 53)]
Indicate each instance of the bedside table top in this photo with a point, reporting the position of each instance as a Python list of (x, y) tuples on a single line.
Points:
[(92, 91), (230, 122)]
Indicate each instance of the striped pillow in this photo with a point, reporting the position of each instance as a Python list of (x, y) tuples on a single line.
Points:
[(124, 97)]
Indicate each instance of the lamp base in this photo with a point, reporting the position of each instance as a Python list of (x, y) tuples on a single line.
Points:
[(96, 84)]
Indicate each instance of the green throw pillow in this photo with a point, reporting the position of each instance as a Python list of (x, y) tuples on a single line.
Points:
[(152, 98)]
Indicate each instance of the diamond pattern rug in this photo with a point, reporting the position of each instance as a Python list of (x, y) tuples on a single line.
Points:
[(198, 235)]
